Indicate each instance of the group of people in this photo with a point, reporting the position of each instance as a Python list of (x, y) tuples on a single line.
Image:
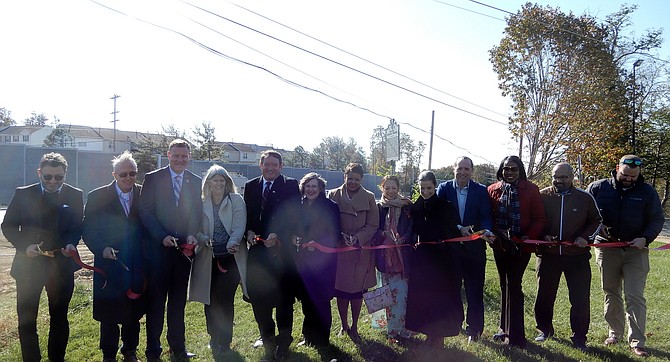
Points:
[(620, 216), (179, 237)]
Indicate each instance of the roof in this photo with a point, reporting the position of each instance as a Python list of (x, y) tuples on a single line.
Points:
[(16, 130)]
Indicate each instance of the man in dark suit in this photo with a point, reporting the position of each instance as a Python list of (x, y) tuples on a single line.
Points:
[(43, 222), (171, 211), (271, 272), (113, 232), (474, 209)]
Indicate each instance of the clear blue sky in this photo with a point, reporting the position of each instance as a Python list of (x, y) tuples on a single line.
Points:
[(67, 58)]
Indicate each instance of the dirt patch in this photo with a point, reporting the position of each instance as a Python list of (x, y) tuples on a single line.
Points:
[(7, 284)]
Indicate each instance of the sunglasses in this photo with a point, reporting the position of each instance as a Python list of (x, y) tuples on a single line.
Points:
[(49, 177), (126, 174), (632, 162), (510, 169)]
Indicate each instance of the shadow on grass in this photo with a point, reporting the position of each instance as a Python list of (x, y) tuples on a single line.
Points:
[(419, 352)]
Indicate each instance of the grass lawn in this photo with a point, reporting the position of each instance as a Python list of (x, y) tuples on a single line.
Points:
[(83, 344)]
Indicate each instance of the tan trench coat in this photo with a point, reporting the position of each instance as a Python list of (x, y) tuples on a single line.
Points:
[(360, 217), (233, 215)]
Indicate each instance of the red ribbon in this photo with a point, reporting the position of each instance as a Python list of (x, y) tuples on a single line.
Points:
[(74, 254), (221, 269), (475, 236), (187, 249), (327, 249), (130, 293)]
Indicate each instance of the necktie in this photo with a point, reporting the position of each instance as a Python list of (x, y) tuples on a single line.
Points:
[(125, 201), (177, 188), (266, 192)]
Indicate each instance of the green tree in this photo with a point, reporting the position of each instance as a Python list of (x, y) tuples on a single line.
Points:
[(204, 139), (35, 119), (6, 118), (59, 137), (564, 84), (378, 164), (171, 132), (410, 160), (298, 158), (145, 154), (333, 153), (485, 173)]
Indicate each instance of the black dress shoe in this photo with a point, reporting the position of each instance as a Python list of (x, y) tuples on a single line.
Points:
[(640, 352)]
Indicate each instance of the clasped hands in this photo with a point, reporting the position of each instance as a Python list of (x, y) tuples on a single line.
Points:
[(350, 240)]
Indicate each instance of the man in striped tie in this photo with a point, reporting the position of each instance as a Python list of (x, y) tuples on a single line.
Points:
[(171, 211)]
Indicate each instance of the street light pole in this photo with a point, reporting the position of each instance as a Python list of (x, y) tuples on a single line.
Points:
[(635, 65)]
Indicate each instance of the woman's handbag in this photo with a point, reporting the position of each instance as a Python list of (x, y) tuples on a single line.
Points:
[(378, 298)]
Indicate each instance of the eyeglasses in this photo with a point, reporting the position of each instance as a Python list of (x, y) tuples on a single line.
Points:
[(510, 169), (125, 174), (49, 177), (632, 162)]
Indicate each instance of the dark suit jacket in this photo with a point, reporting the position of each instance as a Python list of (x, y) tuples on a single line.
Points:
[(106, 225), (270, 273), (29, 220), (477, 205), (161, 216)]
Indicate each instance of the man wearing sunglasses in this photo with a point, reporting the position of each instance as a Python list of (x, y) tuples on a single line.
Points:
[(113, 233), (43, 222), (632, 213)]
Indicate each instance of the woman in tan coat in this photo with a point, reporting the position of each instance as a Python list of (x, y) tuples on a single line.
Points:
[(359, 220), (221, 257)]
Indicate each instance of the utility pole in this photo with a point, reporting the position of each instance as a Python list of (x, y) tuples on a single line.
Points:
[(115, 120), (635, 65), (430, 151)]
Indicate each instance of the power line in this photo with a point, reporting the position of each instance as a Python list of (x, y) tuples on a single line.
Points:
[(369, 61), (346, 66), (218, 53)]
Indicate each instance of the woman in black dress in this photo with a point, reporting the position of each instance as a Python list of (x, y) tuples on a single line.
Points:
[(434, 305)]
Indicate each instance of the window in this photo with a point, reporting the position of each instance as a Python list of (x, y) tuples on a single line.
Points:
[(244, 155), (15, 138), (81, 144), (8, 139), (26, 138)]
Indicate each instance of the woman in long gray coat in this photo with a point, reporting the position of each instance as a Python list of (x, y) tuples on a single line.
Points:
[(221, 257), (359, 220)]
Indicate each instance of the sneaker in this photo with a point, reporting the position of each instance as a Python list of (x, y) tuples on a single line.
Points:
[(543, 337)]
